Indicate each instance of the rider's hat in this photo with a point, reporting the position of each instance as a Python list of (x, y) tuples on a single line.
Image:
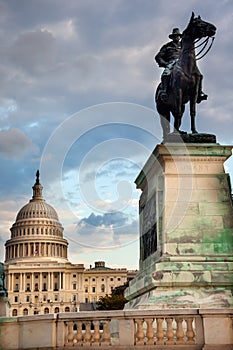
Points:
[(175, 32)]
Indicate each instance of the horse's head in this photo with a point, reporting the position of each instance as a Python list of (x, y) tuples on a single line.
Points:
[(197, 28)]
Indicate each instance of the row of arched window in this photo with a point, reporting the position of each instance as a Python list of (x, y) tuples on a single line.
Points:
[(29, 214), (46, 311), (39, 230)]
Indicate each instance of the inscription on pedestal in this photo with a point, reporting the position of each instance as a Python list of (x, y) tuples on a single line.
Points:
[(149, 228)]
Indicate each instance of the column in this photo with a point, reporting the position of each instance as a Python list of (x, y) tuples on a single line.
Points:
[(52, 281), (60, 280), (20, 250), (64, 280), (21, 282), (50, 251), (9, 284), (12, 282), (49, 280), (13, 279), (40, 282), (24, 286), (68, 281), (32, 282)]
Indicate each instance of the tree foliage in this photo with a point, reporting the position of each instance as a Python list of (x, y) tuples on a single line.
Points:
[(114, 301)]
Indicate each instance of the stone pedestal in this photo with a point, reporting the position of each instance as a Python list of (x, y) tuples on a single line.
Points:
[(186, 229), (4, 307)]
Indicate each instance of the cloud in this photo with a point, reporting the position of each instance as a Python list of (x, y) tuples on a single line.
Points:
[(14, 143), (33, 52), (103, 232), (99, 233), (106, 220), (64, 29)]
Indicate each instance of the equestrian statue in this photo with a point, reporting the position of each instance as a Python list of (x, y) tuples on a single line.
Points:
[(181, 80)]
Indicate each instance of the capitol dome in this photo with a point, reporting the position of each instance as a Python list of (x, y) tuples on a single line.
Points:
[(37, 231), (37, 208)]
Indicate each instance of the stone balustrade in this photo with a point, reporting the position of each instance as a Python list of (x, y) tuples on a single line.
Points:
[(188, 329), (147, 330)]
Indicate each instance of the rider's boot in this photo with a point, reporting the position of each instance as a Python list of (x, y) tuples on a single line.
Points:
[(163, 92), (201, 95)]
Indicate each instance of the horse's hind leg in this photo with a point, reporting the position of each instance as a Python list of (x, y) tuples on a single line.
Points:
[(178, 111), (193, 115), (193, 124), (177, 124)]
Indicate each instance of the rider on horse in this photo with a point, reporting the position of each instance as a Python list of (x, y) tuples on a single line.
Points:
[(167, 57)]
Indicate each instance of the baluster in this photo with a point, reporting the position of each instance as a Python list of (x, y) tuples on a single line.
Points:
[(139, 334), (106, 334), (79, 335), (160, 334), (75, 330), (87, 336), (70, 335), (96, 335), (190, 332), (149, 331), (169, 333), (179, 331)]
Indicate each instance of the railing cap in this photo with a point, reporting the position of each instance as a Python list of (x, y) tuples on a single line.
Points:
[(113, 314), (217, 312)]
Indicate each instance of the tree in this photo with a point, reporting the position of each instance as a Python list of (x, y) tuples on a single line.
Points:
[(114, 301)]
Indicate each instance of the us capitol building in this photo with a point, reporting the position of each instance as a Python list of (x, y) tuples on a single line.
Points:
[(38, 275)]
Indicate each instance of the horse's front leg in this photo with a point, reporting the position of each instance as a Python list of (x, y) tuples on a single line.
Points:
[(178, 111), (193, 114)]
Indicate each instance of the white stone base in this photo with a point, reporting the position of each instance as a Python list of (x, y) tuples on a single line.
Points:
[(173, 298), (4, 307)]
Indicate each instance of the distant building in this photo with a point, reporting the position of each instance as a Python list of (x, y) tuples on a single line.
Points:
[(39, 277)]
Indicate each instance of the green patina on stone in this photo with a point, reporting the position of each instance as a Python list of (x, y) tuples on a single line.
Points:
[(194, 246), (223, 241)]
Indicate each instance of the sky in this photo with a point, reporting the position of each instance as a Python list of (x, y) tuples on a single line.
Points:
[(77, 102)]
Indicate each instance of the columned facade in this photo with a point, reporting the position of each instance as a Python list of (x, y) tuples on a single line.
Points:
[(39, 277)]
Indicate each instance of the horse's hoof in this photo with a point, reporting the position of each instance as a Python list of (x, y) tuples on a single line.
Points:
[(194, 131)]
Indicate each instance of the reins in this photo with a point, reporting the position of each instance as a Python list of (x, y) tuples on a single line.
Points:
[(205, 43)]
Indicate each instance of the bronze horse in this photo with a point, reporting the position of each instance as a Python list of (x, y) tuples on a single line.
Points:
[(185, 78)]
